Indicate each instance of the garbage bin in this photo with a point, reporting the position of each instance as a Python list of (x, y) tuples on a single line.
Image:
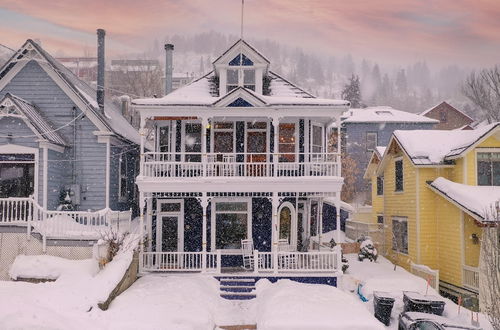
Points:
[(416, 302), (382, 304)]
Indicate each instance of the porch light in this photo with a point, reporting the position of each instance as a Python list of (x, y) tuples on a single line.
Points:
[(475, 239)]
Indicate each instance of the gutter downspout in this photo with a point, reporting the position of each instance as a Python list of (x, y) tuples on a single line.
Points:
[(45, 176), (108, 168)]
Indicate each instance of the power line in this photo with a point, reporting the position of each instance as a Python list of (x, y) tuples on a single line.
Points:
[(2, 45)]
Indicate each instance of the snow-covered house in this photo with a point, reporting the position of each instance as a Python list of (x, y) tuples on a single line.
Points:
[(435, 192), (240, 154), (365, 129), (449, 117), (55, 139)]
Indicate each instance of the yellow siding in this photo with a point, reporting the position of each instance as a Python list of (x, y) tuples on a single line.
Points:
[(377, 201), (471, 251)]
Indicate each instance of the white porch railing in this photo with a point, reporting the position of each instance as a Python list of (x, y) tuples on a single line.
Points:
[(265, 262), (183, 165), (61, 224), (470, 277)]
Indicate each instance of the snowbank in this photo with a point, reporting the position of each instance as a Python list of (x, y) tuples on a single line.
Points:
[(50, 267), (327, 237), (65, 226), (291, 305)]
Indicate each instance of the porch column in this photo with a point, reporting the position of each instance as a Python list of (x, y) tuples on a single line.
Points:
[(45, 176), (141, 210), (274, 230), (320, 230), (337, 207), (276, 126), (339, 147), (204, 205), (142, 133), (204, 156), (149, 222)]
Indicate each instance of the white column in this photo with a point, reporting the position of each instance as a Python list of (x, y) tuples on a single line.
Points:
[(108, 169), (141, 210), (274, 231), (204, 205), (204, 156), (320, 230), (276, 146), (337, 206), (339, 146), (142, 133), (149, 222), (45, 176)]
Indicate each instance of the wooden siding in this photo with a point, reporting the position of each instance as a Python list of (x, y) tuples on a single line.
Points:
[(471, 250)]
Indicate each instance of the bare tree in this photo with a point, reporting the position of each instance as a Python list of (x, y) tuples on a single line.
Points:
[(483, 89), (490, 267)]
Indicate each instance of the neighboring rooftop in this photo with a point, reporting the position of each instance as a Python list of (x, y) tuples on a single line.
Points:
[(384, 114), (448, 106), (428, 147), (478, 201)]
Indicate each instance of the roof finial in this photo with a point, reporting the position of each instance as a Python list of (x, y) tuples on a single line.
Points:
[(242, 7)]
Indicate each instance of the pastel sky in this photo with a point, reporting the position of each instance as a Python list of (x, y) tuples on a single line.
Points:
[(457, 31)]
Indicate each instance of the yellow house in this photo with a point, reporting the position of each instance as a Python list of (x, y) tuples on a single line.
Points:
[(432, 190)]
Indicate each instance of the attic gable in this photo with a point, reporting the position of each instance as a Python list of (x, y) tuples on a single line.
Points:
[(248, 55), (240, 97)]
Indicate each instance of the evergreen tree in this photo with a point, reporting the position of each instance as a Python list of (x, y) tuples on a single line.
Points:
[(352, 92)]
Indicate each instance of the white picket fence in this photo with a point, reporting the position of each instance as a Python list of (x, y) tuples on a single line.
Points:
[(428, 274), (61, 224)]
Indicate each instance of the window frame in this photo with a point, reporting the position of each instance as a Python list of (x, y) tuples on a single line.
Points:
[(400, 249), (380, 216), (375, 142), (397, 160), (193, 154), (484, 150), (380, 186), (123, 175), (213, 220)]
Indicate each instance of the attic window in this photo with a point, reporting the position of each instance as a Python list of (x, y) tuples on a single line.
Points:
[(241, 60), (239, 102), (383, 113)]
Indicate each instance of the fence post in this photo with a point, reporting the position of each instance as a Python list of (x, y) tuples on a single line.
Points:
[(275, 261), (255, 261), (29, 218), (219, 261)]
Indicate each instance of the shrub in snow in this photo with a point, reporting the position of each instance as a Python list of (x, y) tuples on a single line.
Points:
[(114, 241), (367, 250)]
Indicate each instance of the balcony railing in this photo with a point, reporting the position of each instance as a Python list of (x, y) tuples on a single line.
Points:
[(191, 165), (470, 277)]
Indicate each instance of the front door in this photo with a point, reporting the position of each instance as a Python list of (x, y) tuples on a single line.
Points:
[(256, 147), (170, 226)]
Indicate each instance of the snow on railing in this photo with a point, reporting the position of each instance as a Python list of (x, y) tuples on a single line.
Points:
[(470, 277), (15, 210), (180, 261), (428, 274), (183, 165)]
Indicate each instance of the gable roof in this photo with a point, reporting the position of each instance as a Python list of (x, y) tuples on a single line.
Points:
[(449, 107), (239, 43), (477, 201), (375, 159), (434, 147), (111, 119), (34, 119), (202, 92), (384, 114)]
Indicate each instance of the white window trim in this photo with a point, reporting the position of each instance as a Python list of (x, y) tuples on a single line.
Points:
[(376, 141), (266, 130), (213, 130), (213, 223), (296, 122), (120, 177), (401, 219), (159, 125), (400, 158), (317, 124), (183, 136), (476, 151), (180, 224), (18, 149), (293, 222)]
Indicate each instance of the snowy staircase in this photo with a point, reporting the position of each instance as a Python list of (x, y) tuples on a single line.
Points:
[(237, 288)]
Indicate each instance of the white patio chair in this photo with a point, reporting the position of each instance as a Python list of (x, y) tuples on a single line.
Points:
[(247, 252), (286, 261)]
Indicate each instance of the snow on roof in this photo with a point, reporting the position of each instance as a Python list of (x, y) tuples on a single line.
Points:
[(478, 200), (384, 114), (36, 119), (380, 150), (112, 119), (201, 93), (427, 147)]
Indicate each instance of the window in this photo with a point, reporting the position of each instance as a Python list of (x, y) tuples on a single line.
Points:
[(223, 137), (380, 185), (400, 234), (371, 141), (443, 115), (241, 60), (164, 139), (232, 79), (249, 79), (285, 224), (17, 175), (123, 178), (232, 224), (398, 175), (317, 139), (192, 142), (380, 219), (286, 140), (488, 168)]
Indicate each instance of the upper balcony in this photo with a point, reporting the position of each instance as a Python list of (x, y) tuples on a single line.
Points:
[(164, 165)]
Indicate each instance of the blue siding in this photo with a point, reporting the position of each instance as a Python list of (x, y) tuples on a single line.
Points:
[(87, 160)]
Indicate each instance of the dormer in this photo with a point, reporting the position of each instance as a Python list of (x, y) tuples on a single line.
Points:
[(241, 66)]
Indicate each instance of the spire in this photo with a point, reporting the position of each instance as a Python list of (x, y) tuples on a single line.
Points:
[(242, 9)]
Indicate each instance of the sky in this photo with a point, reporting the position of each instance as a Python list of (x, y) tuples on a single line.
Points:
[(464, 32)]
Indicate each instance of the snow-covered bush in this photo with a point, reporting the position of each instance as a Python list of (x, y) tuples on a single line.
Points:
[(367, 250)]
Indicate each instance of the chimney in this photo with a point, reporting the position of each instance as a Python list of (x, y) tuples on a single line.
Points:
[(169, 49), (100, 68)]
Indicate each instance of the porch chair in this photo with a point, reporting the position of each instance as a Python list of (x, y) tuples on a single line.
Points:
[(286, 261), (247, 252)]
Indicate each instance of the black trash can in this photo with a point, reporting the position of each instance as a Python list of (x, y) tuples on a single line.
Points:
[(416, 302), (382, 304)]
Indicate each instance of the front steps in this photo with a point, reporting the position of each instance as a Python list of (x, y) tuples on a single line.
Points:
[(237, 288)]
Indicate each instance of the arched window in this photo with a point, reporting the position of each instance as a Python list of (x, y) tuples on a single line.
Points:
[(287, 224)]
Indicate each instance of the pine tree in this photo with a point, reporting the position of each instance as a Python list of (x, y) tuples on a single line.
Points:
[(352, 92)]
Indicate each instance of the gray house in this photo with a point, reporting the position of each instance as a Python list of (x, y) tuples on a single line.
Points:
[(365, 129), (56, 141)]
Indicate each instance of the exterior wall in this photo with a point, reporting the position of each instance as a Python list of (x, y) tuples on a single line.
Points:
[(88, 168), (454, 118), (354, 141), (59, 176), (401, 204), (471, 250)]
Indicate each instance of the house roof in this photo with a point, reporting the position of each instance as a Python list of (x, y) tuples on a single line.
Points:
[(377, 155), (29, 112), (112, 118), (478, 201), (202, 92), (448, 106), (384, 114), (434, 147), (241, 41)]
